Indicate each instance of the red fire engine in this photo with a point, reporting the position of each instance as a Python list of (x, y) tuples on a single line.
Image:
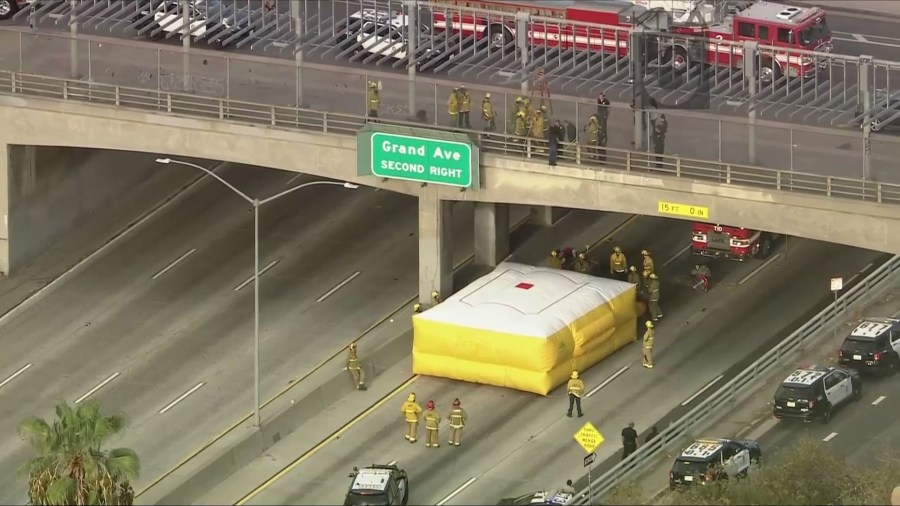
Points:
[(736, 243), (782, 26)]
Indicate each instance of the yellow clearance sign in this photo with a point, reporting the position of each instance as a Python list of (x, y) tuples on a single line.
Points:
[(686, 210), (589, 437)]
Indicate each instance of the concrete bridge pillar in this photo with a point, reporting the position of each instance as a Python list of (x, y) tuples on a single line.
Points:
[(435, 246), (491, 233), (546, 216), (5, 162)]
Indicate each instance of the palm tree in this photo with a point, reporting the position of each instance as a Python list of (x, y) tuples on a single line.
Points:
[(71, 466)]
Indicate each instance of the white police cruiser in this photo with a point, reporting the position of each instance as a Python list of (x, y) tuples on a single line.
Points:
[(712, 459), (873, 346), (203, 16), (813, 392), (545, 497), (385, 33), (378, 485)]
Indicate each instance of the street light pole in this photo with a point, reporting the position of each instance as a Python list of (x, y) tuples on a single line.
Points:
[(256, 203)]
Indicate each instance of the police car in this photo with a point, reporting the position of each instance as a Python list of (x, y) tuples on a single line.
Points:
[(707, 460), (209, 18), (378, 485), (874, 345), (545, 497), (384, 33), (813, 392)]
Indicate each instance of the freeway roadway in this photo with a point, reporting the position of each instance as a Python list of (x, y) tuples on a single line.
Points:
[(335, 91), (517, 442), (160, 327)]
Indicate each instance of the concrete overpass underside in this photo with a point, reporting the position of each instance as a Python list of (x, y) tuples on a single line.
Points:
[(505, 180)]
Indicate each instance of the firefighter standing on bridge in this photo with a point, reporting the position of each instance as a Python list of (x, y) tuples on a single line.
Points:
[(647, 350), (660, 129), (465, 106), (432, 423), (593, 135), (618, 265), (355, 368), (453, 107), (411, 411), (487, 113), (458, 418)]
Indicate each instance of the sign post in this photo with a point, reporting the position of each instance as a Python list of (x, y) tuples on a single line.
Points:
[(837, 284), (589, 438)]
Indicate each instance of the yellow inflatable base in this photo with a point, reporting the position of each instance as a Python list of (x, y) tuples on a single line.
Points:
[(528, 380)]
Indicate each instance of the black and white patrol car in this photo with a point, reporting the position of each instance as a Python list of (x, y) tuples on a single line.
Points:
[(712, 459), (544, 497), (385, 34), (814, 392), (873, 346), (378, 485)]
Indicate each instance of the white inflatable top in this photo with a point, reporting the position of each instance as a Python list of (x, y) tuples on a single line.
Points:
[(525, 300)]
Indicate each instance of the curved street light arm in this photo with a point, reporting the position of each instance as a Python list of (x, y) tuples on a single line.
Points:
[(243, 195), (304, 185)]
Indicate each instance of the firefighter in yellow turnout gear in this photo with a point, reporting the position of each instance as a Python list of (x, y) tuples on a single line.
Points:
[(432, 422), (458, 419), (575, 388), (411, 411), (647, 261), (618, 265), (355, 368), (647, 351), (374, 99), (487, 113)]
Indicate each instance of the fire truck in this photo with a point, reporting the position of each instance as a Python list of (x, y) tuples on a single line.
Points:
[(735, 243), (707, 27)]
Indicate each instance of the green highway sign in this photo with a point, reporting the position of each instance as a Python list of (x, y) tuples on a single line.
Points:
[(422, 159)]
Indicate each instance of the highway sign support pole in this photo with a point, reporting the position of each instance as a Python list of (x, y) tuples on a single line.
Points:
[(866, 64), (636, 44), (73, 42), (186, 42), (412, 40), (836, 285), (522, 19), (298, 51), (751, 74), (589, 463)]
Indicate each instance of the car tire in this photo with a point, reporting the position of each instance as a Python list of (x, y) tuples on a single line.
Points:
[(8, 9), (405, 500), (857, 391), (826, 414), (765, 248)]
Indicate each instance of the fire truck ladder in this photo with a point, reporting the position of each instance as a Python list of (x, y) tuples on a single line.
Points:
[(540, 86)]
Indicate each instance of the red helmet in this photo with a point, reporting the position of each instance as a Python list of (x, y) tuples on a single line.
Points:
[(455, 403), (430, 405)]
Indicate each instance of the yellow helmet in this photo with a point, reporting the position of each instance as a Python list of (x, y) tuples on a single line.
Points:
[(574, 375), (633, 269), (593, 119), (487, 95), (647, 273), (520, 114), (412, 397), (519, 100), (554, 253), (352, 346), (617, 250), (527, 102), (373, 84), (435, 294), (417, 307), (653, 275), (649, 324), (645, 253), (581, 256)]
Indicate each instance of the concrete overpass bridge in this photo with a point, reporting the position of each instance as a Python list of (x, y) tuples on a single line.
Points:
[(44, 111)]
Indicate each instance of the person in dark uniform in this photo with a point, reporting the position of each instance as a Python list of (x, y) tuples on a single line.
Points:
[(554, 137), (660, 128), (571, 131), (629, 440)]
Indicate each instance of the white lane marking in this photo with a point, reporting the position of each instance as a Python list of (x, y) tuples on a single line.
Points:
[(457, 491), (682, 251), (291, 180), (98, 387), (182, 397), (760, 268), (829, 437), (49, 287), (340, 285), (174, 263), (261, 272), (391, 463), (15, 375), (607, 381), (859, 37), (878, 400), (871, 42), (705, 388)]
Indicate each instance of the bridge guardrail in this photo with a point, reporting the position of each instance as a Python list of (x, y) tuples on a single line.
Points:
[(742, 385), (592, 157)]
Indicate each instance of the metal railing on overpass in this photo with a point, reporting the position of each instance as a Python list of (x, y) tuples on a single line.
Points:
[(744, 384), (508, 145), (323, 30)]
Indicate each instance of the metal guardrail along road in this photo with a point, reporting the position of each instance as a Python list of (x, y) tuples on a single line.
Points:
[(743, 384), (836, 93), (344, 124)]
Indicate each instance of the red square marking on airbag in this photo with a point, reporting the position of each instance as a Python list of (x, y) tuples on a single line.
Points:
[(524, 286)]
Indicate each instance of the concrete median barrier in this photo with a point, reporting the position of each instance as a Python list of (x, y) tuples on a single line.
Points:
[(290, 411)]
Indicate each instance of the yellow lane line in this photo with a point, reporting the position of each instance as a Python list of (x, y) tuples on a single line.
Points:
[(338, 433)]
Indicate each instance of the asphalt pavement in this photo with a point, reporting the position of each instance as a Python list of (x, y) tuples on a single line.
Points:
[(517, 442), (160, 327)]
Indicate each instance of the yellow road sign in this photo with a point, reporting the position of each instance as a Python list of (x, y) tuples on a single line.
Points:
[(686, 210), (589, 437)]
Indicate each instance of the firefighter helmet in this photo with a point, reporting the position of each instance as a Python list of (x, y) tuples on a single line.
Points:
[(649, 325), (411, 398), (617, 250), (581, 256), (645, 253), (519, 100), (554, 253), (653, 275), (352, 346), (574, 375), (487, 95), (633, 269)]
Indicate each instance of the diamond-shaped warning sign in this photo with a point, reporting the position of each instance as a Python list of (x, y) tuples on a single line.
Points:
[(589, 437)]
